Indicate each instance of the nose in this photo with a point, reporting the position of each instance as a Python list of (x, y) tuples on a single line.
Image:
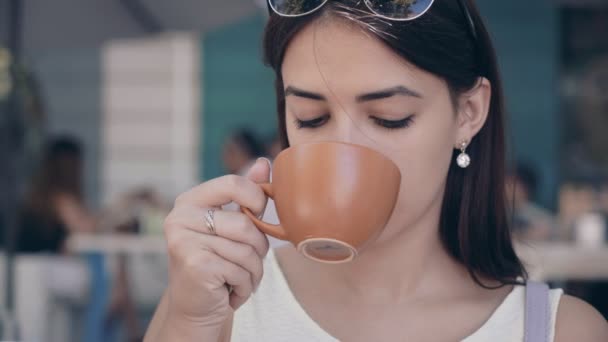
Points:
[(348, 130)]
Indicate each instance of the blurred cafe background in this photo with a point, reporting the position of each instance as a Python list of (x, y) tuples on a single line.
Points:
[(109, 109)]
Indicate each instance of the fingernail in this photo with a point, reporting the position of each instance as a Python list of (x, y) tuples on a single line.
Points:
[(266, 160)]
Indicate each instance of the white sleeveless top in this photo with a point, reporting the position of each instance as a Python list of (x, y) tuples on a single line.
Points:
[(273, 314)]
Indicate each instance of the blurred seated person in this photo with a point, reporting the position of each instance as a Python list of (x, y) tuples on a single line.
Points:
[(240, 151), (530, 222), (139, 211), (54, 206)]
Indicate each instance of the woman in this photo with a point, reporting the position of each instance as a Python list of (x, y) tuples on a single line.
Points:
[(54, 207), (417, 81)]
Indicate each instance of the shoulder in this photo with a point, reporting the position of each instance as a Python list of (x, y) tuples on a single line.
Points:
[(579, 321)]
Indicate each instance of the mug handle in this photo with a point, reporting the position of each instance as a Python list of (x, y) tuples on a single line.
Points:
[(275, 230)]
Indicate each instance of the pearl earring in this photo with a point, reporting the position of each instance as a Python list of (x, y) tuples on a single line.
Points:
[(463, 160)]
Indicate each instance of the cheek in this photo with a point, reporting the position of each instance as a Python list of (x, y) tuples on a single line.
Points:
[(423, 173), (292, 138), (297, 136), (424, 163)]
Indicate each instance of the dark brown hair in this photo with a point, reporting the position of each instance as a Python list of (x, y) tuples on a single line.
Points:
[(60, 173), (473, 224)]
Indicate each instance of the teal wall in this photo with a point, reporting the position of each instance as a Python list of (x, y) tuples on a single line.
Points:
[(237, 89), (527, 42)]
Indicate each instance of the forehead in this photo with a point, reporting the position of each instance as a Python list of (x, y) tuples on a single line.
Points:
[(341, 54)]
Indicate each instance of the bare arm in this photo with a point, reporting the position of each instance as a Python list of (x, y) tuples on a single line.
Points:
[(74, 215), (158, 319), (579, 321)]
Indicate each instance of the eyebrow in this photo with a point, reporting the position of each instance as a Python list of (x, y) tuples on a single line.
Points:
[(290, 90), (377, 95), (389, 92)]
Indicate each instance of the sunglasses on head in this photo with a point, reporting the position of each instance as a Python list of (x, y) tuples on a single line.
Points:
[(398, 10)]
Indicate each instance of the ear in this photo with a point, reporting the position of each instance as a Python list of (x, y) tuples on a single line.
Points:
[(473, 108)]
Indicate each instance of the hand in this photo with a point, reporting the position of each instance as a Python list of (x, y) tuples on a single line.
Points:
[(203, 261)]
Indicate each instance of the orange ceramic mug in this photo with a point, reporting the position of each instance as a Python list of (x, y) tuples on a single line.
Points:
[(331, 198)]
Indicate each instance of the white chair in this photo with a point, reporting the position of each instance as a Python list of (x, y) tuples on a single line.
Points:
[(41, 282)]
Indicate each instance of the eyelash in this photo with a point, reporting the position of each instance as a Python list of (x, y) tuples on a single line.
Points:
[(314, 123), (393, 124), (387, 124)]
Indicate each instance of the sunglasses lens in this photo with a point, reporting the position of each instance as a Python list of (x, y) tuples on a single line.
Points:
[(399, 9), (295, 7)]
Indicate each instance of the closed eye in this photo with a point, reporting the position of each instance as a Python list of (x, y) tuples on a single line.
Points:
[(314, 123), (393, 124)]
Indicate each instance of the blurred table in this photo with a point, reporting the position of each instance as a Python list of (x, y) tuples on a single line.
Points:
[(544, 261), (116, 244), (561, 261)]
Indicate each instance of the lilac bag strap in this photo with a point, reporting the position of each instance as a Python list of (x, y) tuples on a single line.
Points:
[(536, 326)]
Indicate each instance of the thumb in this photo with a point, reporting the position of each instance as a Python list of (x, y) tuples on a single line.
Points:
[(260, 171)]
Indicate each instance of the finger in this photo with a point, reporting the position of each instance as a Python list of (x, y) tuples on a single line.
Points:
[(226, 272), (223, 190), (237, 253), (199, 264), (231, 225), (260, 174), (237, 227), (260, 171), (183, 243)]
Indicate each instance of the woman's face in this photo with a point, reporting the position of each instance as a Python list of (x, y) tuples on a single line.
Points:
[(344, 85)]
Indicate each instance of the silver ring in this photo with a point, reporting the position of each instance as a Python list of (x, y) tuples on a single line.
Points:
[(209, 221)]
